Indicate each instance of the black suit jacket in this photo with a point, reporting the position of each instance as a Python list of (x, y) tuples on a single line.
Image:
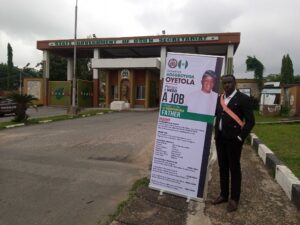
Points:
[(240, 105)]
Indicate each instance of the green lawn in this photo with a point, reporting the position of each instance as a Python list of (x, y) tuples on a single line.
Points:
[(259, 118), (284, 141)]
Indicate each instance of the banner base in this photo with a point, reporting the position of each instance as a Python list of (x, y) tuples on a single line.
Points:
[(188, 198)]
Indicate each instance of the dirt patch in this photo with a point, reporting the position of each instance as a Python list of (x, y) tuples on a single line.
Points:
[(149, 208)]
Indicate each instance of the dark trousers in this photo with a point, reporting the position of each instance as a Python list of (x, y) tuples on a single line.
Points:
[(229, 155)]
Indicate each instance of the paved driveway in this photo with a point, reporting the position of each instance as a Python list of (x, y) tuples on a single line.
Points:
[(72, 172), (41, 111)]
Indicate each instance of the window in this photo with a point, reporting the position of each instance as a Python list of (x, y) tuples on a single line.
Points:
[(114, 91), (140, 92)]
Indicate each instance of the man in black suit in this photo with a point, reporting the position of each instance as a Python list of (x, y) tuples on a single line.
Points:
[(230, 134)]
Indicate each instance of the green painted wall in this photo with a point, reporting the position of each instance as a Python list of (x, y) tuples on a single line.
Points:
[(59, 93), (85, 93)]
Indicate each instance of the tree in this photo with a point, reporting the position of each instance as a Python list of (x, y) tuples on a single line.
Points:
[(10, 65), (3, 76), (297, 79), (23, 101), (83, 71), (58, 68), (253, 64), (13, 74), (287, 70), (273, 77)]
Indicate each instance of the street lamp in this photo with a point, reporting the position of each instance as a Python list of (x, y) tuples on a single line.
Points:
[(74, 110), (20, 83)]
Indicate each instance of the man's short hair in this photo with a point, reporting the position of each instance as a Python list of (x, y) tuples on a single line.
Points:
[(210, 73), (228, 75)]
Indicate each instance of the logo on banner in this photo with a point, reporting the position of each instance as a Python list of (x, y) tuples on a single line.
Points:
[(172, 63), (181, 64)]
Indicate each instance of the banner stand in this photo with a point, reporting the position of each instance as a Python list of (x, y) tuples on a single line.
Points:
[(185, 125), (209, 168), (188, 198), (211, 160)]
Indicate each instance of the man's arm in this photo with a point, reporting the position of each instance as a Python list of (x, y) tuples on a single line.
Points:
[(246, 108)]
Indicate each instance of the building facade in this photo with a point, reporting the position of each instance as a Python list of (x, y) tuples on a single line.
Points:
[(290, 99), (249, 87), (134, 66)]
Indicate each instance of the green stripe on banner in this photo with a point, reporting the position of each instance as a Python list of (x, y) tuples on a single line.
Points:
[(180, 111)]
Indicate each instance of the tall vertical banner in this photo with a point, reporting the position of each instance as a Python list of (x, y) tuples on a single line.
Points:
[(185, 122)]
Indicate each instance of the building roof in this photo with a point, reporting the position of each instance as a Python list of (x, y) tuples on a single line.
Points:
[(245, 80), (144, 46), (271, 91), (290, 85)]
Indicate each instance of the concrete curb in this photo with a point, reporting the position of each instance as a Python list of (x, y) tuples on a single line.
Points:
[(283, 175), (15, 125)]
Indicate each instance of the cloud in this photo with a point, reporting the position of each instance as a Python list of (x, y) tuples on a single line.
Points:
[(268, 33), (268, 28)]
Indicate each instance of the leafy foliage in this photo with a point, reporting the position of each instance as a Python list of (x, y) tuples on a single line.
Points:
[(287, 70), (23, 101), (273, 77), (83, 71), (10, 75), (58, 68), (15, 76), (253, 64), (3, 76), (297, 79), (10, 65)]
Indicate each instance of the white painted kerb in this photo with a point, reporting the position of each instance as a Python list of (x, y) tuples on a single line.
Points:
[(262, 152), (253, 136), (285, 178)]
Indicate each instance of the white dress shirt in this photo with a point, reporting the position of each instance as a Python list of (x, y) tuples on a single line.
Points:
[(226, 101)]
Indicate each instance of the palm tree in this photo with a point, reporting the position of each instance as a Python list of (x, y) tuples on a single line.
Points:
[(23, 102)]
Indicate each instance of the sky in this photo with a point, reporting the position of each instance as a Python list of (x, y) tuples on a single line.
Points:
[(268, 27)]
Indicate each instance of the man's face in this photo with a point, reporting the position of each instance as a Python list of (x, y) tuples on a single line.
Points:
[(207, 84), (228, 84)]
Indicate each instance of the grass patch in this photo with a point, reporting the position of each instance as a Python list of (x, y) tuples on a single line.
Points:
[(284, 141), (93, 112), (143, 182), (259, 118), (4, 124)]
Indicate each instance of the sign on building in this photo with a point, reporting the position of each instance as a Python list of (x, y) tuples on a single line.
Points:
[(35, 87)]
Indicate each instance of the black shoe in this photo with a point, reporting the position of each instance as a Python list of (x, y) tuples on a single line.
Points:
[(232, 206), (219, 200)]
